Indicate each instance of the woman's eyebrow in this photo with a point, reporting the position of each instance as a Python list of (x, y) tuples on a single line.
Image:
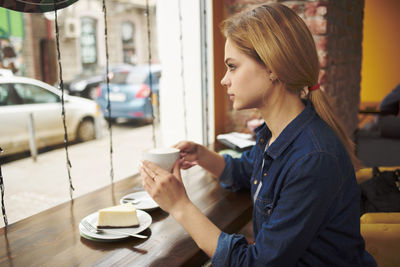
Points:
[(227, 60)]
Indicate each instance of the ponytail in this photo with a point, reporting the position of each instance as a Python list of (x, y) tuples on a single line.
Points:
[(322, 104)]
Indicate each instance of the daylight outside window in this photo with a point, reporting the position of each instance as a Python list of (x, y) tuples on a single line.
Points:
[(149, 102), (28, 45)]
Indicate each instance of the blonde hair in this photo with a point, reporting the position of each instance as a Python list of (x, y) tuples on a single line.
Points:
[(276, 37)]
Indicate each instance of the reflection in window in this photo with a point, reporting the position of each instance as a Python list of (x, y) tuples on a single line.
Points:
[(31, 94), (88, 42), (128, 42), (3, 95)]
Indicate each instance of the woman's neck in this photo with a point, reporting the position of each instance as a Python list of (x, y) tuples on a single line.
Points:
[(280, 110)]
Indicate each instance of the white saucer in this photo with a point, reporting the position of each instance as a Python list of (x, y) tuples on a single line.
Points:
[(145, 200), (144, 222)]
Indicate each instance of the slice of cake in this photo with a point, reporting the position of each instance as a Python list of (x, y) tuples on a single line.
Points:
[(118, 216)]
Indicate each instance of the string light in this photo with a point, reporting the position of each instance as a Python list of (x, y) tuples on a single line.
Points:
[(150, 75), (108, 94), (3, 207), (182, 70), (63, 115)]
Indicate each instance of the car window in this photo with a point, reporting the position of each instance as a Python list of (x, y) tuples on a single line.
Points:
[(158, 75), (119, 77), (137, 77), (155, 77), (8, 96), (32, 94), (3, 95)]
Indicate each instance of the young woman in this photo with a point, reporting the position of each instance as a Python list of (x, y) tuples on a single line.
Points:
[(301, 170)]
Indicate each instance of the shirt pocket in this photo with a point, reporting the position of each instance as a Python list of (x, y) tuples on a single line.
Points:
[(263, 209)]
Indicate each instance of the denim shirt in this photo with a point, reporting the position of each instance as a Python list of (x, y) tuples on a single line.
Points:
[(306, 212)]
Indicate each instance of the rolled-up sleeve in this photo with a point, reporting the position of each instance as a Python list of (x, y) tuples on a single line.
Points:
[(226, 244)]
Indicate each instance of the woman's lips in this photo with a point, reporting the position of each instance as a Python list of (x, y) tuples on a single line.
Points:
[(231, 96)]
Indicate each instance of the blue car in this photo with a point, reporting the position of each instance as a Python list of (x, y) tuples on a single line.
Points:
[(130, 91)]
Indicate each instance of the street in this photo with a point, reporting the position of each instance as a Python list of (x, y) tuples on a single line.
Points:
[(31, 187)]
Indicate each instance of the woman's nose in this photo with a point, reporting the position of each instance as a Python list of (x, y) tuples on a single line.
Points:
[(224, 81)]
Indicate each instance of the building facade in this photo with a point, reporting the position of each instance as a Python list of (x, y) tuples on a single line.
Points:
[(81, 33)]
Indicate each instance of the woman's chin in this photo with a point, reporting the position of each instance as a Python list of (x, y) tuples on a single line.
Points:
[(238, 106)]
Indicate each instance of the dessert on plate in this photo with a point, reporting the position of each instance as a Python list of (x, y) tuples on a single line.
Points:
[(120, 216)]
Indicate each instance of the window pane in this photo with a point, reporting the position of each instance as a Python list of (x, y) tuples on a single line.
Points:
[(88, 41), (83, 58), (3, 95), (119, 77), (128, 42), (31, 94)]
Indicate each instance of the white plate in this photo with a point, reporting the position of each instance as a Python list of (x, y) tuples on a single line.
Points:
[(144, 222), (145, 200)]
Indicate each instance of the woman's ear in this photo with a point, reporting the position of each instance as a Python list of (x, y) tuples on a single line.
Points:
[(272, 77)]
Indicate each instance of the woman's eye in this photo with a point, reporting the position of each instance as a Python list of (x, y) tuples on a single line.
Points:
[(231, 67)]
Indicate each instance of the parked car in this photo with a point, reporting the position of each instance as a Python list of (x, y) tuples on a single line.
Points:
[(85, 83), (20, 97), (129, 92)]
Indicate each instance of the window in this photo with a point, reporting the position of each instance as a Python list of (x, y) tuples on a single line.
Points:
[(128, 42), (127, 33), (6, 97), (88, 42), (155, 77), (31, 94)]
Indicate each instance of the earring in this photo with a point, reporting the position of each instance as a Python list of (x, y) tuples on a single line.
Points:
[(272, 77)]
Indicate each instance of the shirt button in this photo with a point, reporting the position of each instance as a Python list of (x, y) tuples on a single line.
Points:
[(262, 140), (255, 181), (265, 174)]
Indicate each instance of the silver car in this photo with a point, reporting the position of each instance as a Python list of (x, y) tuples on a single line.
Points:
[(20, 97)]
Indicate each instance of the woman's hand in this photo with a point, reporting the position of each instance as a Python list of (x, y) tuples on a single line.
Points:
[(169, 192), (165, 188), (192, 154), (189, 154)]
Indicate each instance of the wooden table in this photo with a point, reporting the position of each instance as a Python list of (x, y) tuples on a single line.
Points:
[(52, 238)]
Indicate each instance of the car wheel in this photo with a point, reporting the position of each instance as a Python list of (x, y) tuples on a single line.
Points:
[(86, 130)]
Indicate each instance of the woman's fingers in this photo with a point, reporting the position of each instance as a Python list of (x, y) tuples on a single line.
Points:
[(153, 168), (187, 165), (165, 188), (177, 171), (186, 147), (182, 145), (147, 179)]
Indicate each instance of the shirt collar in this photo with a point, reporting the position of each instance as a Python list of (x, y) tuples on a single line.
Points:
[(291, 131)]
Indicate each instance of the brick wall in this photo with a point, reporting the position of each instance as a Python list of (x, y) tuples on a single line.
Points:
[(337, 29)]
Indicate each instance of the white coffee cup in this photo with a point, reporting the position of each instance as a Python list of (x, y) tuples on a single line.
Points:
[(164, 157)]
